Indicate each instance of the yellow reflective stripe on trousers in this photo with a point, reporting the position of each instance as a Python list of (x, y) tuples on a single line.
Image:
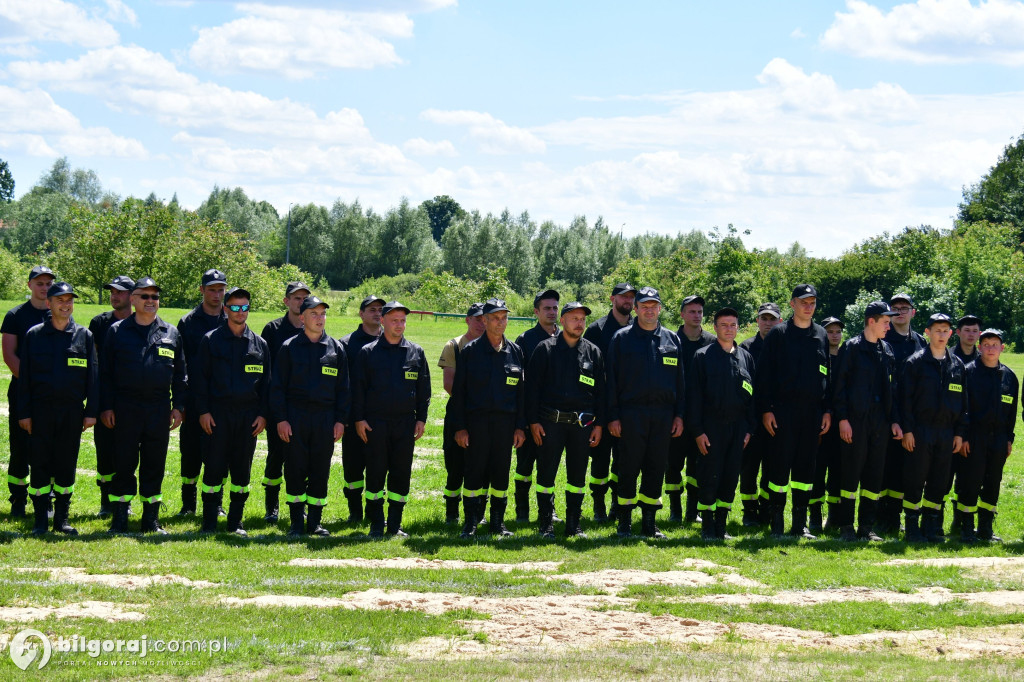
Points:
[(452, 493), (152, 498), (816, 500), (705, 507), (14, 480), (61, 490), (239, 488), (542, 489), (599, 481), (120, 498), (521, 478), (573, 489), (273, 481), (848, 494), (653, 501), (316, 501), (867, 494), (294, 499), (763, 494), (493, 492), (374, 496), (395, 497), (720, 504), (783, 489), (986, 506), (613, 477), (965, 509), (910, 506), (690, 480), (354, 485), (104, 478), (832, 499), (928, 504), (796, 485), (189, 481), (39, 491), (473, 493), (208, 489), (628, 501), (673, 487), (748, 498)]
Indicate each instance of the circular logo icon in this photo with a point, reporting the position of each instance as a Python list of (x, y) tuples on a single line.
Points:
[(24, 652)]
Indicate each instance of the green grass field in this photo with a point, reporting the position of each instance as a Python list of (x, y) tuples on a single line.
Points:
[(684, 627)]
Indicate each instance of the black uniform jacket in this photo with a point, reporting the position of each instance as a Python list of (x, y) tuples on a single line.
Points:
[(488, 381), (231, 371), (142, 364), (565, 379), (932, 393), (793, 368), (904, 346), (193, 326), (964, 357), (992, 394), (18, 320), (864, 376), (99, 326), (390, 380), (531, 338), (353, 343), (689, 348), (600, 333), (720, 388), (310, 375), (58, 368), (276, 332), (645, 370), (753, 345)]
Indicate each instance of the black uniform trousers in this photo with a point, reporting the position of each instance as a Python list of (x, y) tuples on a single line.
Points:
[(354, 454), (682, 454), (190, 443), (981, 472), (307, 461), (389, 448), (892, 479), (575, 441), (792, 452), (604, 466), (230, 448), (17, 467), (643, 450), (273, 468), (926, 469), (828, 466), (718, 472), (141, 435), (103, 438), (526, 460), (863, 465), (751, 464), (454, 463), (954, 472), (489, 455), (53, 448)]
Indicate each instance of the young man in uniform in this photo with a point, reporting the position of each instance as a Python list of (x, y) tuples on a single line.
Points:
[(143, 362), (828, 464), (487, 413), (753, 496), (646, 401), (865, 408), (545, 309), (57, 374), (683, 451), (390, 398), (230, 381), (933, 410), (790, 391), (17, 321), (309, 406), (120, 289), (275, 333), (193, 326), (564, 407), (353, 449), (992, 393), (968, 329), (603, 471), (720, 402), (455, 456)]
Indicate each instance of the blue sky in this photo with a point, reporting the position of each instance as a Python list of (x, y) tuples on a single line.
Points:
[(821, 122)]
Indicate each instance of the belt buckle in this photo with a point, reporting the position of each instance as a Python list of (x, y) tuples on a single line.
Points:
[(585, 419)]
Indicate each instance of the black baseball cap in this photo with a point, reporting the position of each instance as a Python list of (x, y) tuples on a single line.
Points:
[(214, 276), (691, 299), (804, 291), (991, 332), (145, 283), (59, 289), (833, 320), (370, 300), (648, 294), (392, 306), (879, 308), (39, 270), (475, 310), (296, 286), (121, 283), (968, 319), (770, 308), (547, 293), (939, 317), (622, 288), (494, 305), (237, 292), (575, 305), (902, 297), (726, 312), (311, 302)]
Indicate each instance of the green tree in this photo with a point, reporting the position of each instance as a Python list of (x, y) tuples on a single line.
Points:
[(6, 183), (441, 211), (999, 196)]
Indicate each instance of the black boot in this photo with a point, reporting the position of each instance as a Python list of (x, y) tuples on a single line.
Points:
[(647, 526), (61, 511), (799, 529), (692, 515), (375, 513), (986, 518), (750, 514), (613, 505), (451, 511), (776, 521), (941, 521), (271, 495), (235, 513), (573, 512), (955, 524), (831, 523), (913, 530), (675, 506), (151, 518), (707, 526), (967, 534), (354, 498), (297, 517), (210, 503), (625, 517), (220, 501), (19, 501), (105, 504), (522, 502), (847, 533), (600, 511), (188, 499), (497, 524), (930, 521), (395, 510), (42, 521), (721, 517), (314, 514), (866, 516), (118, 517), (471, 506), (545, 525), (814, 518)]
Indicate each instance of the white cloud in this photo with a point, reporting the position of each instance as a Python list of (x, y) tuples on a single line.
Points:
[(118, 11), (931, 31), (797, 33), (492, 135), (26, 21), (417, 146)]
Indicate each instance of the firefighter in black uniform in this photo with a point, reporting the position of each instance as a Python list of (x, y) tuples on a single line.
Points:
[(646, 400), (682, 451), (120, 289), (968, 329), (143, 363), (193, 326), (58, 373), (904, 342), (353, 448), (545, 308), (17, 321), (753, 496), (275, 333), (390, 398), (486, 409), (790, 391), (933, 410), (720, 402), (564, 404), (865, 409), (230, 380), (828, 464), (309, 405), (992, 393), (603, 472)]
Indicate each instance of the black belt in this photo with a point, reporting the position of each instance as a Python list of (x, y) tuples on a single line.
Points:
[(584, 419)]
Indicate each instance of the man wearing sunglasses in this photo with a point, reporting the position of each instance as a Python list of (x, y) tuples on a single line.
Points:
[(193, 326), (230, 381), (143, 361), (564, 401)]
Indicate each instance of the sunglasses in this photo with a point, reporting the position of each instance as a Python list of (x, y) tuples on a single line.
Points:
[(235, 308), (149, 297)]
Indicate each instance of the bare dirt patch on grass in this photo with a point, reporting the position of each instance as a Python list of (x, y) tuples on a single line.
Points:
[(983, 566), (103, 610), (415, 562), (616, 580), (65, 574), (1007, 599)]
